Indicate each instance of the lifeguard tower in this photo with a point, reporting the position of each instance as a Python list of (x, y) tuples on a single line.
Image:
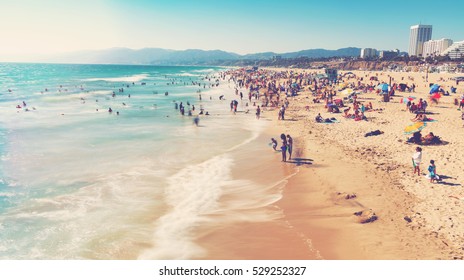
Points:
[(332, 74)]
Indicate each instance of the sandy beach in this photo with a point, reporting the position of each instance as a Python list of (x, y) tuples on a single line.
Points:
[(339, 171), (378, 170)]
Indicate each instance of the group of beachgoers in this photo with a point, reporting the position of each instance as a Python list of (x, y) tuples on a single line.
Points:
[(287, 146), (432, 169), (207, 81)]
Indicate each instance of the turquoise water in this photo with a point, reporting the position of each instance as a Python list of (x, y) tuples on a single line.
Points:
[(78, 182)]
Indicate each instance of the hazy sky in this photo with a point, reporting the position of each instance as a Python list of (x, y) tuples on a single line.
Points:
[(243, 26)]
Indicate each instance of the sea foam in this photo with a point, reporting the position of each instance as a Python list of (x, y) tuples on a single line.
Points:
[(192, 194), (133, 78)]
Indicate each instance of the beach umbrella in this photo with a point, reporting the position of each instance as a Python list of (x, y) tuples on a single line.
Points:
[(347, 91), (415, 127), (434, 88), (383, 87), (406, 99), (342, 86)]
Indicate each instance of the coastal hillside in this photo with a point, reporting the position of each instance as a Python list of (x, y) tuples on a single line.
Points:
[(158, 56)]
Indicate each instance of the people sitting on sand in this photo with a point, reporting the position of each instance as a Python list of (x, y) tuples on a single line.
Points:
[(413, 108), (431, 139), (416, 138), (332, 108), (369, 106), (359, 116), (320, 119), (420, 118)]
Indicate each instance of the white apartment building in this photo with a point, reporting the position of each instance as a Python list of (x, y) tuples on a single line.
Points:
[(436, 47), (455, 51), (368, 52), (417, 36)]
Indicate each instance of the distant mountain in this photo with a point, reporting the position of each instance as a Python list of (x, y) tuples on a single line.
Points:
[(158, 56), (142, 56)]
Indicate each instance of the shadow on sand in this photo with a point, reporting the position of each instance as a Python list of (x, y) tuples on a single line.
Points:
[(300, 161)]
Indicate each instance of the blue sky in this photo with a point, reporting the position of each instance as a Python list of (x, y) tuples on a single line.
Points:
[(50, 26)]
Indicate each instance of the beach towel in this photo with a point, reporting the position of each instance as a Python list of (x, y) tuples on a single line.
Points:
[(436, 177), (336, 121)]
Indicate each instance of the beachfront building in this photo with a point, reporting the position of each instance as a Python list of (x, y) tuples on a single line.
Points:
[(455, 51), (368, 53), (389, 54), (417, 36), (436, 47)]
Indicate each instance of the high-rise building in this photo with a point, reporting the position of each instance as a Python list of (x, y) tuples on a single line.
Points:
[(418, 35), (436, 47), (368, 52)]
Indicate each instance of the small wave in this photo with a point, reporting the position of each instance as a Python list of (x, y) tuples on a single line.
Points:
[(192, 193), (134, 78), (188, 75), (209, 70), (7, 194)]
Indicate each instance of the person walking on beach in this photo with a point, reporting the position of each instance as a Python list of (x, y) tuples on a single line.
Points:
[(416, 160), (284, 147), (289, 146), (258, 112)]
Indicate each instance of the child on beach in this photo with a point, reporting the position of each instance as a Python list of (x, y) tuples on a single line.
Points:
[(416, 160), (432, 171), (274, 143)]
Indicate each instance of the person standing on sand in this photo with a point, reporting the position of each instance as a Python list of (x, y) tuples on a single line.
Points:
[(284, 147), (432, 171), (258, 112), (289, 146), (416, 160)]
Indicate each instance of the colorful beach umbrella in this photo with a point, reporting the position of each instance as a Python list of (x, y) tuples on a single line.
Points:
[(406, 99), (415, 127), (342, 86), (347, 91), (434, 88), (383, 87)]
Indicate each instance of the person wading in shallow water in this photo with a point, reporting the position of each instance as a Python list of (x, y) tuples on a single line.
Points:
[(289, 146), (284, 147)]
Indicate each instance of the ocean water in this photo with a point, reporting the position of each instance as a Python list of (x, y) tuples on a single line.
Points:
[(78, 182)]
